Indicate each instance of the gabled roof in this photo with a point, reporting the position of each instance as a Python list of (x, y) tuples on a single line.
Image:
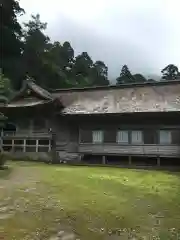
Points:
[(30, 95), (29, 84), (129, 98)]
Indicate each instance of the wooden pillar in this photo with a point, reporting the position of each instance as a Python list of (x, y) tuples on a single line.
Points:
[(37, 144), (104, 159), (24, 145), (158, 161), (55, 157), (80, 157), (130, 160), (12, 145), (49, 149)]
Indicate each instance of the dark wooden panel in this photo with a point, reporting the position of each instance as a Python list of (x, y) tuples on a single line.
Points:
[(43, 149), (85, 136), (39, 123), (150, 136), (74, 133), (176, 137), (110, 135)]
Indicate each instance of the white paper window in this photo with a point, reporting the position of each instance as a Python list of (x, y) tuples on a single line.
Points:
[(97, 136), (136, 137), (165, 137), (122, 137)]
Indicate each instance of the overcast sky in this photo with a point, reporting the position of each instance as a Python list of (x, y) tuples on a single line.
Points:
[(144, 34)]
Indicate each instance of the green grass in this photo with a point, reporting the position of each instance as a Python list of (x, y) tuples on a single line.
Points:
[(5, 173), (93, 202)]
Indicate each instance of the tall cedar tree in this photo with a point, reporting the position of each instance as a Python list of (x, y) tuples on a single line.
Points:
[(10, 40), (125, 76)]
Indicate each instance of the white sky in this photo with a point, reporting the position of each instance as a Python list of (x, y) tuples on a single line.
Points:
[(144, 34)]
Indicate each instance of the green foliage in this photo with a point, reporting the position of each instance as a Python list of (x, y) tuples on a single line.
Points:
[(139, 78), (53, 65), (170, 72), (5, 85), (2, 160), (29, 51), (10, 41), (125, 76)]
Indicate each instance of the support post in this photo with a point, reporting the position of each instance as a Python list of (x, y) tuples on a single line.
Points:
[(158, 161), (104, 159), (130, 160), (55, 157), (24, 145), (12, 145), (49, 148), (37, 143)]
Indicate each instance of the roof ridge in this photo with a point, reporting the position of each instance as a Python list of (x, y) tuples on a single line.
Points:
[(120, 86)]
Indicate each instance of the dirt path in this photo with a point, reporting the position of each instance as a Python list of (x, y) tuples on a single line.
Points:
[(19, 176), (26, 179)]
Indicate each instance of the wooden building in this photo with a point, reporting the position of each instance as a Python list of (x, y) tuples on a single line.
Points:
[(134, 120)]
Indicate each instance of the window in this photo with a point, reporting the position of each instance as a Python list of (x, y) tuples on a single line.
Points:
[(165, 137), (136, 137), (122, 137), (97, 136)]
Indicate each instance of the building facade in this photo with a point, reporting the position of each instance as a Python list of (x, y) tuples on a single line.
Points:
[(126, 121)]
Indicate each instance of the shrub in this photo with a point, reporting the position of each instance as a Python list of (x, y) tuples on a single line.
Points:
[(2, 160)]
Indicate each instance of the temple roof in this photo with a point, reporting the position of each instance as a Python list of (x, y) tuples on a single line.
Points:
[(159, 97), (30, 85), (30, 95)]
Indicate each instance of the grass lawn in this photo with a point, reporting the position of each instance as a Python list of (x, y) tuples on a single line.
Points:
[(38, 200)]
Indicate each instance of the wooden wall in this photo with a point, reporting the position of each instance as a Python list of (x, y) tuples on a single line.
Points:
[(74, 134)]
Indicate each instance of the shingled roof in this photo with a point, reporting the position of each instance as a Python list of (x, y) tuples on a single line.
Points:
[(151, 97), (29, 84), (40, 96)]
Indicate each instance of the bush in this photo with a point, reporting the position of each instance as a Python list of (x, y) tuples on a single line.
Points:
[(2, 160)]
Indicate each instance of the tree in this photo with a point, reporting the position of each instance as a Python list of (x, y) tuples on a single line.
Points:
[(100, 74), (139, 78), (10, 41), (5, 86), (50, 64), (83, 64), (35, 47), (170, 72), (82, 68), (125, 76)]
